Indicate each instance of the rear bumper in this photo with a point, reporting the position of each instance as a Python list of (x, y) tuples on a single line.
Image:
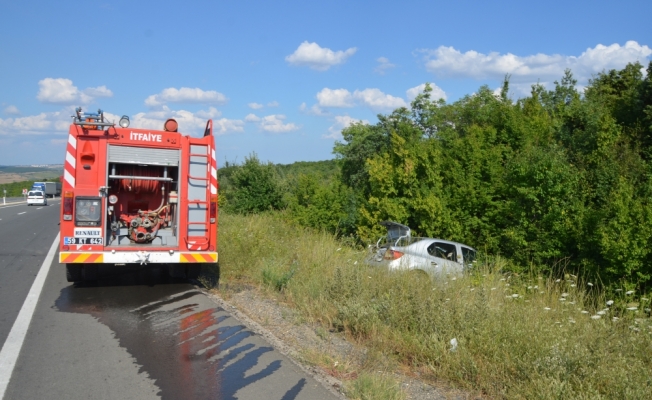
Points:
[(137, 257)]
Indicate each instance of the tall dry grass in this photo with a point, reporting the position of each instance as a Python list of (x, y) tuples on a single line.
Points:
[(507, 336)]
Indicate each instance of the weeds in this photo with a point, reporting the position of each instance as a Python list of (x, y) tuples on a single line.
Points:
[(517, 336)]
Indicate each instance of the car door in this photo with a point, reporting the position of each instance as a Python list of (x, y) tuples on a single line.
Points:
[(443, 258)]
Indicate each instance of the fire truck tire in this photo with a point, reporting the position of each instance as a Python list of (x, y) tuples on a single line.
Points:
[(193, 271), (73, 272), (89, 272), (177, 271)]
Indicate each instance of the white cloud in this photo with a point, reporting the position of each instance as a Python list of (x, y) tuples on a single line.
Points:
[(373, 98), (273, 104), (341, 122), (252, 118), (62, 91), (255, 106), (314, 110), (377, 100), (274, 123), (318, 58), (11, 110), (448, 61), (189, 122), (41, 124), (185, 95), (436, 94), (383, 65), (334, 98)]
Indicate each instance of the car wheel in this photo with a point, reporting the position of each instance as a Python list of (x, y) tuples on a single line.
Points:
[(73, 272)]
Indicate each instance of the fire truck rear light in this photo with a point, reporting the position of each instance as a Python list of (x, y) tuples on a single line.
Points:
[(68, 200), (213, 211)]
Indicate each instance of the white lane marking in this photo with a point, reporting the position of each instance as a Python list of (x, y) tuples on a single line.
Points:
[(13, 344), (22, 212)]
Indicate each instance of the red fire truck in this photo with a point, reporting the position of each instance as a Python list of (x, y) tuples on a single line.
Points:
[(137, 196)]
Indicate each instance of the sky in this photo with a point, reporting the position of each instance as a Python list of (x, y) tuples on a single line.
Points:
[(283, 78)]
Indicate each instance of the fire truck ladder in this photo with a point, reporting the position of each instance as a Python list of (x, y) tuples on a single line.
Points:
[(198, 216)]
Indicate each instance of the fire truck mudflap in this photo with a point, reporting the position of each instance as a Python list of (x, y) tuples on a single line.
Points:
[(137, 196)]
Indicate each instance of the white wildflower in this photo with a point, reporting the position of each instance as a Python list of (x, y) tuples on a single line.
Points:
[(493, 288), (355, 263), (590, 284), (547, 308), (571, 302), (564, 295), (635, 329), (619, 290), (632, 308), (339, 249), (529, 287), (502, 279), (644, 299), (453, 343), (573, 285), (562, 299), (610, 302), (584, 312), (629, 292), (595, 317), (515, 296), (558, 280), (536, 287), (615, 319), (601, 312)]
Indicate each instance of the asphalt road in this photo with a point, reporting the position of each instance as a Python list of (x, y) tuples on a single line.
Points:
[(135, 334)]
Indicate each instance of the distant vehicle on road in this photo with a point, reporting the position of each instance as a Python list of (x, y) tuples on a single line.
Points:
[(51, 189), (398, 250), (36, 197)]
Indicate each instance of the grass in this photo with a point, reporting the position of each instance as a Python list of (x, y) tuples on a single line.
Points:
[(518, 336)]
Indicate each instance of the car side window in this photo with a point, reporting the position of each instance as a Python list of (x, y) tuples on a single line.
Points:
[(468, 254), (443, 250)]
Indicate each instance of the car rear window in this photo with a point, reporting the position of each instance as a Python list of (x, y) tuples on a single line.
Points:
[(35, 194)]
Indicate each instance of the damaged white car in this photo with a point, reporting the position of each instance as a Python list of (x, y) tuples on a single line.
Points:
[(398, 250)]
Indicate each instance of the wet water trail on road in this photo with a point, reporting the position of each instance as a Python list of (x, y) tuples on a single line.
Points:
[(190, 347)]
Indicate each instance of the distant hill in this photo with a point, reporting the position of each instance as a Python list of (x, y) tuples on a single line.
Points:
[(20, 173)]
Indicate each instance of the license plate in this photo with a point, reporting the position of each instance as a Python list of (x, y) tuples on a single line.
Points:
[(80, 240)]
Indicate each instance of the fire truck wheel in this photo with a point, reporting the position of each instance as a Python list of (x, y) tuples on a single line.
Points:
[(177, 271), (193, 271), (89, 272), (73, 272)]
